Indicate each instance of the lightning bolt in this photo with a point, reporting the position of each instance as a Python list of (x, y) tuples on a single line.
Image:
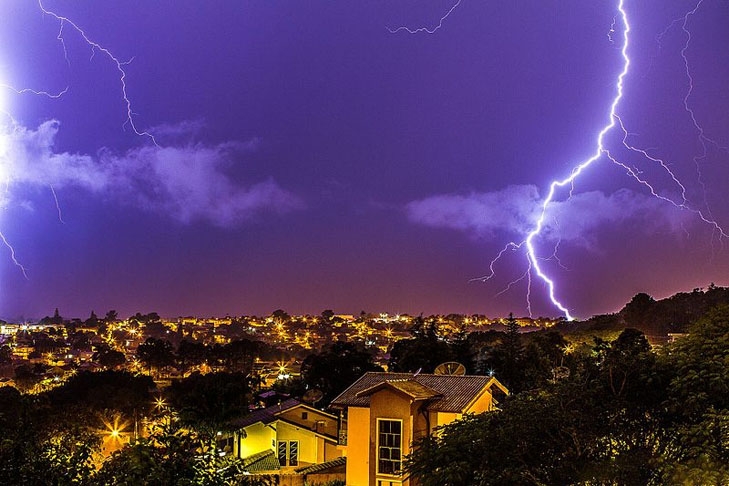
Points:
[(528, 242), (12, 255), (425, 29), (96, 47), (58, 206), (47, 94), (614, 122)]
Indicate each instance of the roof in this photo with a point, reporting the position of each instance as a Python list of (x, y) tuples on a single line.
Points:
[(262, 461), (317, 468), (452, 393), (411, 388), (266, 415)]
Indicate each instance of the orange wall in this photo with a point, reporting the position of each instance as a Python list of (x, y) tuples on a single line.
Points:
[(483, 403), (387, 404), (358, 446)]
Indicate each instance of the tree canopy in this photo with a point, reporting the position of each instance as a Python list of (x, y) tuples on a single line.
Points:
[(622, 414)]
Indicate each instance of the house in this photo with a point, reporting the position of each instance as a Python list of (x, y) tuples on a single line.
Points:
[(289, 438), (387, 412)]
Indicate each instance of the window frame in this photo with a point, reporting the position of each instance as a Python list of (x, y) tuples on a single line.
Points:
[(397, 470), (287, 453)]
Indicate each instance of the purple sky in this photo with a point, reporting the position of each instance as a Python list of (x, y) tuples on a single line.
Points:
[(308, 158)]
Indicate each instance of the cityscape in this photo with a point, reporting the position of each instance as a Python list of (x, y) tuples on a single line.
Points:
[(401, 243), (335, 399), (68, 345)]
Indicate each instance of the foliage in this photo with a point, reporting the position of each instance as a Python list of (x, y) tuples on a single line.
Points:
[(336, 367), (424, 351), (107, 357), (40, 445), (171, 455), (674, 314), (209, 403), (105, 390), (156, 353), (698, 451), (190, 354), (597, 426)]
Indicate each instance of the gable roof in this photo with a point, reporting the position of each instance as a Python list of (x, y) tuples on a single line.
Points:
[(411, 388), (271, 414), (266, 415), (449, 393)]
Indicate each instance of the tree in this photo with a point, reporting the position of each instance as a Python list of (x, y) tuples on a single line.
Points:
[(210, 403), (698, 449), (236, 356), (104, 391), (6, 354), (423, 352), (92, 321), (190, 354), (600, 425), (27, 376), (42, 444), (111, 316), (638, 312), (336, 367), (107, 357), (171, 455), (156, 354)]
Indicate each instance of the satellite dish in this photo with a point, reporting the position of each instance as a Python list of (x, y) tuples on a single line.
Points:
[(312, 396), (450, 368)]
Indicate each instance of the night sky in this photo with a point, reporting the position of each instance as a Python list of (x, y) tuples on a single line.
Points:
[(307, 158)]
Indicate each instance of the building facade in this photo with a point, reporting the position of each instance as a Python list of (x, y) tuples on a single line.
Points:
[(384, 414)]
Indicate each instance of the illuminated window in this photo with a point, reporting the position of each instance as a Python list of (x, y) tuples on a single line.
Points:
[(288, 452), (389, 446)]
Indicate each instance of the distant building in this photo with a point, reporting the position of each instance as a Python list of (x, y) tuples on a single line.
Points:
[(291, 440), (387, 412)]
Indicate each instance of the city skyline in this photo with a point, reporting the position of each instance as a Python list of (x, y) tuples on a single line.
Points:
[(311, 157)]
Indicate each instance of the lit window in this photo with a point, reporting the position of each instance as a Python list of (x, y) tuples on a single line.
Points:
[(288, 453), (389, 443)]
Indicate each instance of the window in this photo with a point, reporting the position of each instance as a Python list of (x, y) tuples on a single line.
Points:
[(288, 452), (389, 442), (294, 453), (282, 449), (304, 415)]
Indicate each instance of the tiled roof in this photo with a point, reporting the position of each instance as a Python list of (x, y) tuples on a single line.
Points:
[(456, 391), (266, 415), (262, 461), (411, 388), (315, 468)]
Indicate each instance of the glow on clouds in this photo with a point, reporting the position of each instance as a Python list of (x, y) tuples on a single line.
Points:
[(515, 209), (187, 182)]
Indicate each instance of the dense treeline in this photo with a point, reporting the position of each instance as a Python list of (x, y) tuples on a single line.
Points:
[(520, 361), (57, 437), (618, 413), (657, 317)]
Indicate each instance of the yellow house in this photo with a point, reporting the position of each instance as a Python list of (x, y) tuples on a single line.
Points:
[(387, 412), (287, 438)]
